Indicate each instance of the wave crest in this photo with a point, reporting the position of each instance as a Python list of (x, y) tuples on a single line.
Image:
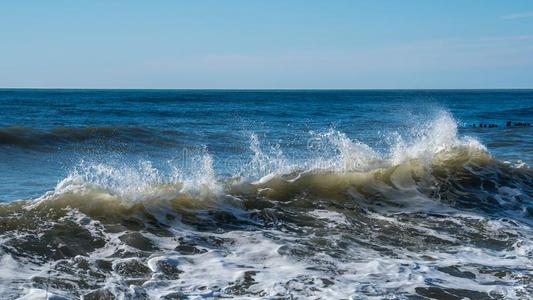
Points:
[(415, 166)]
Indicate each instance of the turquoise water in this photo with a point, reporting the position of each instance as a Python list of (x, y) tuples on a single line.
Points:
[(320, 194)]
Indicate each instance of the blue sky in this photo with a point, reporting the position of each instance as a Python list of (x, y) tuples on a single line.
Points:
[(266, 44)]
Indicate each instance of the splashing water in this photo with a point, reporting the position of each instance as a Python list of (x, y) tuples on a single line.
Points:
[(431, 215)]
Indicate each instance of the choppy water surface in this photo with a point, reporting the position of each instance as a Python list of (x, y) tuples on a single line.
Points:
[(265, 194)]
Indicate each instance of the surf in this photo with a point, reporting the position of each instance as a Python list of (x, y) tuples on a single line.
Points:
[(346, 217)]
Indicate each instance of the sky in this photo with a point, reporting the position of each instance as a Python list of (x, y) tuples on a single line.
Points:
[(266, 44)]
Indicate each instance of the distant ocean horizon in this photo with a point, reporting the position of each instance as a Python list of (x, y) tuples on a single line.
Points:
[(261, 89), (272, 193)]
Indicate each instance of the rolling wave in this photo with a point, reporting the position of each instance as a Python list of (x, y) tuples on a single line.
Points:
[(23, 137), (434, 165), (348, 219)]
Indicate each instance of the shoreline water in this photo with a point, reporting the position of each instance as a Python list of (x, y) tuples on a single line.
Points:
[(216, 194)]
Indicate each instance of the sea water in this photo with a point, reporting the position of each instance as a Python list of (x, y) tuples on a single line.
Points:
[(171, 194)]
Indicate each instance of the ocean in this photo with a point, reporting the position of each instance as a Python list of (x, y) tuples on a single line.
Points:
[(279, 194)]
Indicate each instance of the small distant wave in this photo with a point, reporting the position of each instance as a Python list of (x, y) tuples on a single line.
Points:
[(24, 137)]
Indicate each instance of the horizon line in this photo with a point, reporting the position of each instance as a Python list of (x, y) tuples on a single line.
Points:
[(264, 89)]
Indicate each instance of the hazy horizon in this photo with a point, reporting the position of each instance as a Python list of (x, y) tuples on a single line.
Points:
[(262, 89)]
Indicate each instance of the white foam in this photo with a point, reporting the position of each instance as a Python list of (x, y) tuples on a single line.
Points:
[(140, 182), (333, 218), (360, 271)]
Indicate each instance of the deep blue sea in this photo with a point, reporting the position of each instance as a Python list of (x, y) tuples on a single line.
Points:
[(175, 194)]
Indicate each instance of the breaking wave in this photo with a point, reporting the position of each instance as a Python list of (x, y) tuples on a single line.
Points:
[(335, 163), (348, 219)]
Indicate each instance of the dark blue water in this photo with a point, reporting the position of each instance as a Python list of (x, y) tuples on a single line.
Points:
[(43, 133), (171, 194)]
